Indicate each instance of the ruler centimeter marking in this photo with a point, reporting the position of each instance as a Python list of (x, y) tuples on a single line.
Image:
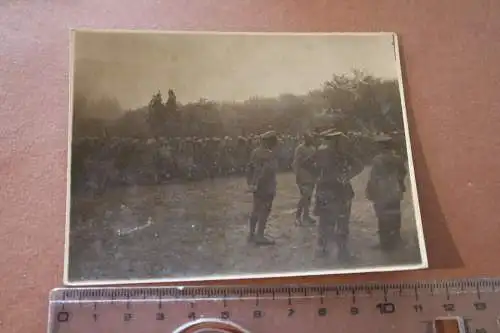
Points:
[(378, 307)]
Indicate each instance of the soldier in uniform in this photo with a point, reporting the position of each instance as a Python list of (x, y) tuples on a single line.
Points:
[(198, 170), (242, 154), (334, 192), (215, 155), (304, 169), (385, 189), (261, 179), (290, 144), (187, 158), (230, 156)]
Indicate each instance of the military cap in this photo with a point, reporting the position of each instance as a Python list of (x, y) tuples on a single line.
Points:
[(269, 135)]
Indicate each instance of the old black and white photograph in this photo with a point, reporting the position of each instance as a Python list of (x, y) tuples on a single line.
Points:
[(200, 156)]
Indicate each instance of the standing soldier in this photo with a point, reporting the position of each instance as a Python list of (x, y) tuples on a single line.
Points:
[(241, 155), (334, 192), (261, 179), (303, 166), (187, 158), (290, 148), (198, 170), (385, 189), (215, 157)]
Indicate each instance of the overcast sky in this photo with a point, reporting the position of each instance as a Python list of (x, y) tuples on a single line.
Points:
[(133, 66)]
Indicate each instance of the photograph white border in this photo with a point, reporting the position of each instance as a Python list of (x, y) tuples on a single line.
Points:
[(211, 278)]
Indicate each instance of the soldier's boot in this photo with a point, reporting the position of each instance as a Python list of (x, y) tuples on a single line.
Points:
[(395, 240), (262, 240), (343, 254), (323, 230), (397, 237), (252, 226), (306, 217), (259, 238), (322, 249), (298, 215), (386, 243)]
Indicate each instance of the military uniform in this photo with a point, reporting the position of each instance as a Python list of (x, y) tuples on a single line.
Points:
[(334, 193), (385, 189), (187, 158), (215, 155), (304, 168), (242, 154), (261, 178)]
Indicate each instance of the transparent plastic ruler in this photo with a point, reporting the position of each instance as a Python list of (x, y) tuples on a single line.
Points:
[(420, 307)]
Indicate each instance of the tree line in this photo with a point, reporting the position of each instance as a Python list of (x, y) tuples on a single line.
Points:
[(352, 102)]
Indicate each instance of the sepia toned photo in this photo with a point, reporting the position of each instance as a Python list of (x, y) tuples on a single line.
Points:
[(212, 156)]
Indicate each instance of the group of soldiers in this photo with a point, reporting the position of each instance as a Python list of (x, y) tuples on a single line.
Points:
[(103, 162), (324, 164)]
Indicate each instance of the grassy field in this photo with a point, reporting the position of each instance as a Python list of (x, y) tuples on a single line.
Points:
[(201, 228)]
